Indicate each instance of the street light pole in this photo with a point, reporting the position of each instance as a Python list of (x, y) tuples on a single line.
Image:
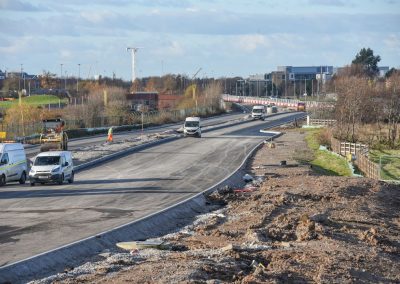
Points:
[(19, 81), (65, 80), (77, 79), (61, 65)]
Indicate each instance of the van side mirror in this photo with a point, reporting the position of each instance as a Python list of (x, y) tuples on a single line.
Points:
[(66, 164)]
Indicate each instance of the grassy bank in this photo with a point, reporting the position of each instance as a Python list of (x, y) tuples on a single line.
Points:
[(390, 163), (34, 100), (322, 161)]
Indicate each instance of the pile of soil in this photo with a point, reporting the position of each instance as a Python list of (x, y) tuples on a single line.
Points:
[(295, 226)]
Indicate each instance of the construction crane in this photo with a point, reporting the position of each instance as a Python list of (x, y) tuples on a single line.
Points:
[(133, 51), (194, 85)]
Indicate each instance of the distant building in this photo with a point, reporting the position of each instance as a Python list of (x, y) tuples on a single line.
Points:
[(383, 70), (295, 73), (3, 75), (168, 101), (140, 100), (277, 83), (152, 101)]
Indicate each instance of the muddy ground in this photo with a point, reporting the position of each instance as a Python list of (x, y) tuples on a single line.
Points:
[(295, 226)]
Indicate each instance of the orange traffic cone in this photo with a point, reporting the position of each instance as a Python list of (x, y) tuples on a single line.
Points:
[(110, 135)]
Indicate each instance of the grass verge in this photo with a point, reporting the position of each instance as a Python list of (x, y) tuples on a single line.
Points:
[(390, 163), (34, 100), (324, 162)]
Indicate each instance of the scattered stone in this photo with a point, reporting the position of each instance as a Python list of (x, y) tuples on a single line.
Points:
[(247, 178)]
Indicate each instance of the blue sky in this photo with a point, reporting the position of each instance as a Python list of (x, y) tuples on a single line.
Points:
[(224, 38)]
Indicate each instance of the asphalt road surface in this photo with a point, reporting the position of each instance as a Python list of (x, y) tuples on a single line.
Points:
[(36, 219), (118, 136)]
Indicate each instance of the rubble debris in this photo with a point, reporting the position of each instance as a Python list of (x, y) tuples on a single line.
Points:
[(300, 226), (134, 245), (247, 178)]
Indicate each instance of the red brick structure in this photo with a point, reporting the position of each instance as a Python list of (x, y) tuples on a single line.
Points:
[(152, 100)]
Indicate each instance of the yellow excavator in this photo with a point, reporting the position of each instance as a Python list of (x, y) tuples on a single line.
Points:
[(53, 136)]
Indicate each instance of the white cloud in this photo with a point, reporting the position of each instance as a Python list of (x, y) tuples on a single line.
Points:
[(65, 54), (251, 42), (192, 9), (95, 17), (16, 5), (393, 42), (172, 48), (17, 46)]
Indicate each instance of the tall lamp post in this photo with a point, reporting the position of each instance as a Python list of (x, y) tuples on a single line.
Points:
[(65, 80), (61, 66), (77, 79), (19, 81)]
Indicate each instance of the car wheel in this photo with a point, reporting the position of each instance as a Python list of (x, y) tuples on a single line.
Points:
[(22, 180), (61, 180), (32, 184), (71, 179), (2, 180)]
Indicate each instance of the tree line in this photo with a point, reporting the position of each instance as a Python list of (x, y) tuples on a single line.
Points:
[(368, 106)]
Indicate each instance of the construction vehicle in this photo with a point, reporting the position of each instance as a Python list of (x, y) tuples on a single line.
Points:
[(53, 136), (301, 106)]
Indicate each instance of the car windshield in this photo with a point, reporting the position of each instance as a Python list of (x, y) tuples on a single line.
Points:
[(192, 124), (257, 110), (47, 160)]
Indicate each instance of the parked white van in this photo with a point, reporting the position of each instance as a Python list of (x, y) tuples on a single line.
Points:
[(53, 166), (192, 127), (13, 166)]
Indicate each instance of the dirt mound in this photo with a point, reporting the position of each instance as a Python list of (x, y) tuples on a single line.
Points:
[(296, 227)]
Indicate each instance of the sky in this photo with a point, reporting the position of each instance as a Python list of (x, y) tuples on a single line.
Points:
[(223, 38)]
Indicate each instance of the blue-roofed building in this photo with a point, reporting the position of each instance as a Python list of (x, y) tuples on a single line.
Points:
[(294, 73)]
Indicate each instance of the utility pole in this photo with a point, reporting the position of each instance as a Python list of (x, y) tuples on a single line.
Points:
[(133, 51)]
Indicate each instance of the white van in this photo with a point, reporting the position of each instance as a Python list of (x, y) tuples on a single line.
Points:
[(192, 127), (271, 109), (13, 166), (53, 166), (258, 112)]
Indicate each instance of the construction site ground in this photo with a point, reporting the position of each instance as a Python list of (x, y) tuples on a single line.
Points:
[(290, 225)]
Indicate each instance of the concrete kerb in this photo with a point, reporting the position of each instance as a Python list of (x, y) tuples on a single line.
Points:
[(154, 225)]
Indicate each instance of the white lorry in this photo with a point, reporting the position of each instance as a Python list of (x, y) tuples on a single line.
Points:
[(53, 166), (258, 112), (192, 127), (13, 165)]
